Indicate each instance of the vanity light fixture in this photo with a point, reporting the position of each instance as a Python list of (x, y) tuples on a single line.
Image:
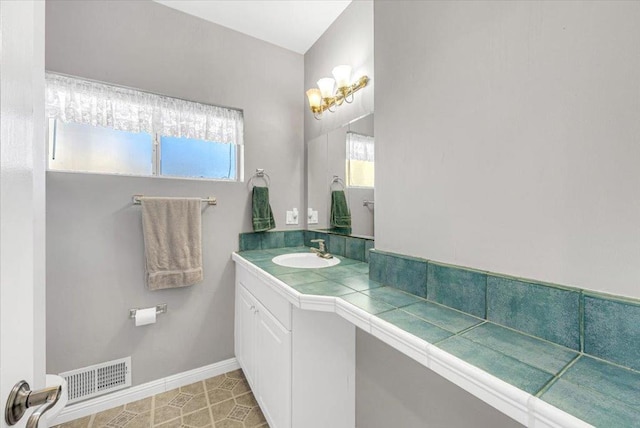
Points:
[(324, 98)]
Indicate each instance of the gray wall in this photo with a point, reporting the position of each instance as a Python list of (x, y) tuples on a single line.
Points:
[(95, 266), (519, 124), (349, 40)]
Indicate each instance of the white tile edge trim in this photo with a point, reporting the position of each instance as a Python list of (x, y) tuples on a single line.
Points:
[(545, 415), (353, 314), (508, 399), (499, 394), (124, 396)]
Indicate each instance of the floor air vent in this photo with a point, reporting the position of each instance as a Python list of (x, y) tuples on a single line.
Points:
[(89, 382)]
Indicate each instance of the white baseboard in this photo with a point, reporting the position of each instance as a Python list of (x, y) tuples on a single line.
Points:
[(118, 398)]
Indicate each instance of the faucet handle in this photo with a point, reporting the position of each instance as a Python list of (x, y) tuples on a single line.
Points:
[(320, 243)]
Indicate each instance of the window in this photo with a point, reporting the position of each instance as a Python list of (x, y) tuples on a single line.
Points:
[(98, 128), (360, 160), (86, 148), (188, 157)]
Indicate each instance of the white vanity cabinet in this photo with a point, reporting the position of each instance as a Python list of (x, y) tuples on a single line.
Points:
[(263, 349), (300, 363)]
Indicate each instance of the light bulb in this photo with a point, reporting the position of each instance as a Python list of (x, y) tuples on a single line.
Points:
[(326, 87), (342, 74), (314, 96)]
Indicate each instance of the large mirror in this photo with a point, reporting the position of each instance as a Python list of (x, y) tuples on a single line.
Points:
[(342, 160)]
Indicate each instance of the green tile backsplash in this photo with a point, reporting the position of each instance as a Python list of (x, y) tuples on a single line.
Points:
[(368, 245), (310, 235), (346, 246), (540, 310), (340, 245), (612, 330), (294, 238), (355, 248), (272, 240), (250, 241), (267, 240), (405, 273), (337, 244), (465, 290)]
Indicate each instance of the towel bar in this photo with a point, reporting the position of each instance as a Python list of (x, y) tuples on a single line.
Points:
[(211, 200)]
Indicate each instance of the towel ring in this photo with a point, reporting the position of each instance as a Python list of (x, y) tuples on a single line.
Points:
[(259, 174), (339, 181)]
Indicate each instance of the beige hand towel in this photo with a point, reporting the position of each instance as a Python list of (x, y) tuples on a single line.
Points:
[(172, 242)]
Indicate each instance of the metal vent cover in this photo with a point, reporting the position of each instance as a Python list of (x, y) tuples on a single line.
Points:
[(91, 381)]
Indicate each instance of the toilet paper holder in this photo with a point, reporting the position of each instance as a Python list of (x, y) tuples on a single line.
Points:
[(160, 309)]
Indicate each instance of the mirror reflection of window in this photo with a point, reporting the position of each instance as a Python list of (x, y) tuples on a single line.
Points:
[(360, 160)]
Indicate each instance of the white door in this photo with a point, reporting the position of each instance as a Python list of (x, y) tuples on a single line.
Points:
[(274, 369), (22, 197)]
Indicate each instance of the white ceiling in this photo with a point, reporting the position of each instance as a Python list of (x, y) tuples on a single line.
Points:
[(291, 24)]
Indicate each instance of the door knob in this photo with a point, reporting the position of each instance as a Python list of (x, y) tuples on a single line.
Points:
[(22, 398)]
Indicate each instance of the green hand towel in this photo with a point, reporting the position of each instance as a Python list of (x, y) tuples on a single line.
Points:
[(340, 215), (262, 214)]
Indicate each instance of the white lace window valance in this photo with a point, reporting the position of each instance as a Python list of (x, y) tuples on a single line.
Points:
[(75, 100), (360, 147)]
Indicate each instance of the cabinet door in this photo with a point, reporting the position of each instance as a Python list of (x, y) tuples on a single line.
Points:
[(274, 369), (245, 333)]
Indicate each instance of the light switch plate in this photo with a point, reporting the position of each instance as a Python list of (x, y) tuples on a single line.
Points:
[(314, 217), (291, 219)]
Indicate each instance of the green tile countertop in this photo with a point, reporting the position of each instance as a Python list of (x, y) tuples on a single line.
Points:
[(592, 390)]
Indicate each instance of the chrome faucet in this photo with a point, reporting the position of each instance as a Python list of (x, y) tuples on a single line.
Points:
[(321, 251)]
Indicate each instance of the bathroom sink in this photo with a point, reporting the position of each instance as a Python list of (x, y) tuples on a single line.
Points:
[(304, 261)]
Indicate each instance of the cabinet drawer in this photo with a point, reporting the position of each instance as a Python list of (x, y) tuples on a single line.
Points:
[(277, 305)]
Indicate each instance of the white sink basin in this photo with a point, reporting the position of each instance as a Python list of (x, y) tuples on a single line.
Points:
[(304, 261)]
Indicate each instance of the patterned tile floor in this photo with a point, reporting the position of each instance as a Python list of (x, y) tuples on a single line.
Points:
[(224, 401)]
